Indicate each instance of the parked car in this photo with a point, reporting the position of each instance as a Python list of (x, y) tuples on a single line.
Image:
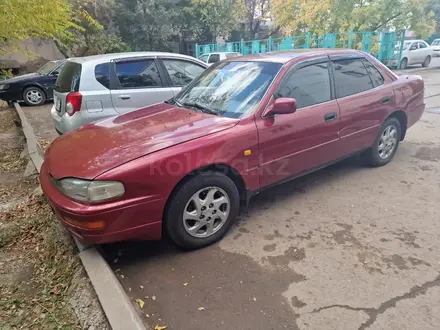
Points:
[(96, 87), (414, 52), (185, 167), (211, 58), (33, 88), (435, 45)]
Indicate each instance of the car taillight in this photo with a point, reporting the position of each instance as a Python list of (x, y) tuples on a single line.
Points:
[(73, 102)]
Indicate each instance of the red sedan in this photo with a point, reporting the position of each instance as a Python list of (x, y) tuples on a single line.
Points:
[(186, 166)]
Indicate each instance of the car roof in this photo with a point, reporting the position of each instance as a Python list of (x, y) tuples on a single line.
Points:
[(117, 56), (220, 53), (284, 56)]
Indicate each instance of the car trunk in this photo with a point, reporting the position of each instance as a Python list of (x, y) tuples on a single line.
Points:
[(68, 81)]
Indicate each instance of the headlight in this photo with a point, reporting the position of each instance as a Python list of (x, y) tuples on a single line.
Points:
[(90, 191), (4, 86)]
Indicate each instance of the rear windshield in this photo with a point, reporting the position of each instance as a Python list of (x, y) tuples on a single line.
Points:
[(69, 78)]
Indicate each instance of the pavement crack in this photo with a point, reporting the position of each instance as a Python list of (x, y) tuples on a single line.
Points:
[(373, 313)]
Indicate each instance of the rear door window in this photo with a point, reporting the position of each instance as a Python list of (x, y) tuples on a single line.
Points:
[(308, 85), (102, 74), (214, 58), (182, 72), (138, 73), (375, 75), (422, 45), (69, 78), (351, 77)]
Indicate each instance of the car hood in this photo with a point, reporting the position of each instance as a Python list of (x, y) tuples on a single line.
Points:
[(23, 78), (96, 148)]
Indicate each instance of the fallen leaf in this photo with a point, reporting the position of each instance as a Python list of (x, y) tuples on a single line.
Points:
[(147, 315), (255, 299), (153, 297), (140, 302), (157, 327), (185, 284), (141, 286), (201, 308)]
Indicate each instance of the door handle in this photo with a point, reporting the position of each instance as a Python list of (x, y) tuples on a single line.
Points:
[(386, 100), (330, 116), (124, 97)]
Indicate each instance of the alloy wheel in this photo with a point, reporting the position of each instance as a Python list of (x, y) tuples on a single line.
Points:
[(34, 96), (387, 142), (206, 212)]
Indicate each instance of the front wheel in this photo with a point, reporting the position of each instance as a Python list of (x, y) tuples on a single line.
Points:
[(385, 145), (202, 210), (34, 96), (403, 64), (426, 62)]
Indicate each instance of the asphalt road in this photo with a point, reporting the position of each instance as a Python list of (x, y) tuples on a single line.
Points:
[(347, 247)]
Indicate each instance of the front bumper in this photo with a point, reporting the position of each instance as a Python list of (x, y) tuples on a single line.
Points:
[(9, 95), (123, 220)]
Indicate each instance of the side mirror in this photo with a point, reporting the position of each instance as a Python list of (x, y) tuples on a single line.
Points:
[(281, 106)]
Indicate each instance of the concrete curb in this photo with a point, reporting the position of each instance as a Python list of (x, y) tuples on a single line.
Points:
[(115, 303)]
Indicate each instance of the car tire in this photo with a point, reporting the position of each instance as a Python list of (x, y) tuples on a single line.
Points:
[(426, 62), (34, 96), (385, 145), (202, 210), (403, 64)]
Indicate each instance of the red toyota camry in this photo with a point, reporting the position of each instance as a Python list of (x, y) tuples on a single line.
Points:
[(186, 166)]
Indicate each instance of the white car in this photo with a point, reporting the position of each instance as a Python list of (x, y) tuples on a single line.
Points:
[(414, 52), (211, 58), (436, 48)]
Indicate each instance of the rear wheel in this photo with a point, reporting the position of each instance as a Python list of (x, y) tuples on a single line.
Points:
[(202, 210), (34, 96), (426, 62), (385, 146), (403, 64)]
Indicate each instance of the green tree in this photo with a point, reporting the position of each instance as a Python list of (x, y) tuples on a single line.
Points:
[(216, 17), (22, 19), (146, 24), (358, 15)]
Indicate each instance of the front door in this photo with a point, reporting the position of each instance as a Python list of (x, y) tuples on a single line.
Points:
[(364, 100), (180, 72), (307, 139), (138, 84)]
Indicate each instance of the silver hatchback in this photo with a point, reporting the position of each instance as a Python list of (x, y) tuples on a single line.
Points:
[(96, 87)]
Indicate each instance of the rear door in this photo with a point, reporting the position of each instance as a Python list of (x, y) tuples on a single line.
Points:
[(180, 72), (137, 83), (424, 50), (364, 100)]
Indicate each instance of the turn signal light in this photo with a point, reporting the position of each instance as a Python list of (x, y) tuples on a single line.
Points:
[(91, 225)]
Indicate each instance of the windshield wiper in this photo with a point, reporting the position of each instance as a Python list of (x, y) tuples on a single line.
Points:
[(200, 107)]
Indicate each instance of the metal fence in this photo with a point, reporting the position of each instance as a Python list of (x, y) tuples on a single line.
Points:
[(386, 46)]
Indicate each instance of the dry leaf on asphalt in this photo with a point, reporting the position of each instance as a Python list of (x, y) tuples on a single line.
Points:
[(157, 327), (140, 302), (185, 284), (153, 297), (141, 286), (201, 308)]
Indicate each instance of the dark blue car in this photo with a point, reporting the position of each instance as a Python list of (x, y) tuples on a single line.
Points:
[(33, 88)]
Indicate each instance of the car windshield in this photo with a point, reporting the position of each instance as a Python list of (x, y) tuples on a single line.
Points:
[(47, 68), (229, 89), (436, 42)]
